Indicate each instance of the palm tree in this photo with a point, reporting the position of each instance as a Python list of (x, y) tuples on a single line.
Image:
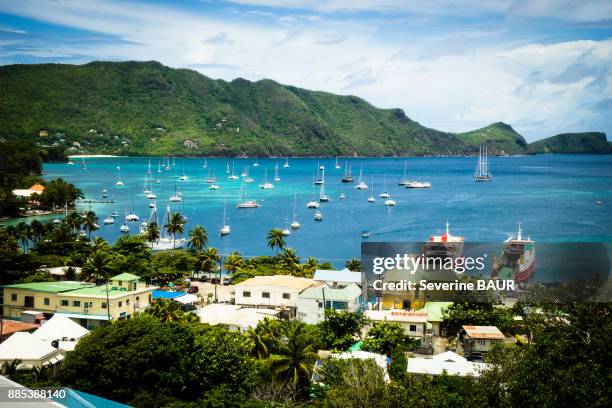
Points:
[(206, 261), (38, 230), (153, 233), (264, 337), (233, 262), (8, 243), (24, 234), (353, 265), (99, 266), (99, 243), (198, 238), (90, 223), (11, 367), (175, 225), (296, 355), (166, 310), (289, 258), (74, 220), (276, 239)]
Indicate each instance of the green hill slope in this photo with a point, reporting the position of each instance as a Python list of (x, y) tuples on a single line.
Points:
[(588, 142), (499, 137)]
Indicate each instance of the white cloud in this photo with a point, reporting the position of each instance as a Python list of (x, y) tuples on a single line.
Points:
[(453, 82), (13, 30)]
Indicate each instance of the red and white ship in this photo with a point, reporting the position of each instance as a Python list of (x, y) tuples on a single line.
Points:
[(518, 259)]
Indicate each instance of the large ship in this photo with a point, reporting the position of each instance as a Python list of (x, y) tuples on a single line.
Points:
[(517, 260), (444, 246)]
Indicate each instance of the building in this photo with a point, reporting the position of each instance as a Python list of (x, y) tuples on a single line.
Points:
[(9, 327), (59, 272), (448, 362), (333, 278), (32, 351), (87, 304), (272, 292), (34, 189), (414, 323), (477, 340), (234, 317), (434, 312), (61, 332), (190, 144), (313, 302)]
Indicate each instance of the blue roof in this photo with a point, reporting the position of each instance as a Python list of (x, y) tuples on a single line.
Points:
[(80, 399), (165, 294)]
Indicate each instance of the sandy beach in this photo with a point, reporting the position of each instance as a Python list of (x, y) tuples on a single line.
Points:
[(91, 156)]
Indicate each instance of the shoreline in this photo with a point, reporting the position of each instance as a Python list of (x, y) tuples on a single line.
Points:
[(92, 156)]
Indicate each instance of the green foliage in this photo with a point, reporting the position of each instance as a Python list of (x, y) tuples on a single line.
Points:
[(589, 142), (340, 328), (171, 265), (57, 193), (477, 314), (387, 338), (500, 138), (353, 265)]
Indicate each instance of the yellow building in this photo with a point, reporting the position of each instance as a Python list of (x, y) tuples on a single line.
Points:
[(86, 303)]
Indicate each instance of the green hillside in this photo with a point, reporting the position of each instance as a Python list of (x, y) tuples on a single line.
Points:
[(499, 137), (143, 108), (589, 142)]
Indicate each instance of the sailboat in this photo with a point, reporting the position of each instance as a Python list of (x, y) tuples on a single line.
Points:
[(227, 169), (372, 199), (132, 216), (150, 194), (83, 165), (244, 171), (286, 231), (167, 242), (247, 179), (167, 163), (145, 188), (295, 224), (318, 216), (183, 177), (266, 184), (104, 193), (225, 228), (312, 203), (70, 163), (173, 162), (286, 162), (342, 195), (276, 176), (233, 176), (482, 169), (348, 177), (211, 179), (205, 163), (403, 180), (175, 198), (361, 185), (319, 180), (322, 196), (119, 182), (152, 218), (384, 194), (214, 187), (124, 227), (109, 220), (337, 164), (243, 202), (256, 164), (159, 170)]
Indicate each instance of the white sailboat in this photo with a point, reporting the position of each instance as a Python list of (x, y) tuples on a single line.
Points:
[(225, 228), (295, 224), (342, 195), (109, 220), (211, 179), (482, 168), (119, 182), (243, 202), (361, 185), (214, 187), (312, 203), (159, 170), (403, 180), (247, 178), (166, 241), (322, 196), (266, 184), (337, 164), (319, 180), (233, 176), (286, 231), (227, 169), (83, 165), (205, 165), (256, 164), (175, 198), (384, 194), (183, 176), (372, 199), (286, 162), (167, 163), (389, 202), (276, 176), (318, 216)]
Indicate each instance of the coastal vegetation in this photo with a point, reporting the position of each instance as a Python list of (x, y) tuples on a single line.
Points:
[(146, 108)]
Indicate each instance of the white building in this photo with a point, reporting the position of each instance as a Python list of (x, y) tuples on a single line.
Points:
[(313, 302), (32, 351), (62, 331), (449, 362), (273, 292), (334, 278), (235, 317), (414, 323)]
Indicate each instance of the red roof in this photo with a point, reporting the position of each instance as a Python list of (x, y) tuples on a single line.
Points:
[(37, 187), (12, 326)]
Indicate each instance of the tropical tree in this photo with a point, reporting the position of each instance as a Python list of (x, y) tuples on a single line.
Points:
[(276, 239), (265, 337), (166, 310), (176, 225), (206, 261), (38, 230), (198, 238), (233, 262), (11, 367), (353, 265), (97, 267), (289, 259), (296, 354), (9, 246), (153, 233), (90, 223), (99, 244), (24, 234), (74, 220), (388, 337)]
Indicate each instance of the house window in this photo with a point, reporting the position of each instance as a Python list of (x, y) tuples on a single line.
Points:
[(413, 327), (76, 303), (120, 283), (127, 302), (286, 296), (482, 342), (137, 298), (265, 295), (120, 303), (246, 294), (103, 305), (14, 297), (46, 301), (64, 303)]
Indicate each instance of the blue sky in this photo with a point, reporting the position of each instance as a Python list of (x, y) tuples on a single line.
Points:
[(543, 66)]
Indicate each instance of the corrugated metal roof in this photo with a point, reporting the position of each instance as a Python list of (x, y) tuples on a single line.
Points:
[(483, 332), (279, 280), (344, 275)]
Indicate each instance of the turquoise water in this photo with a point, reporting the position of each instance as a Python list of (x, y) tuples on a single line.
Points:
[(554, 196)]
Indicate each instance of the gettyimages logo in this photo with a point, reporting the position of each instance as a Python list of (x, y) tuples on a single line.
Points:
[(411, 263)]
